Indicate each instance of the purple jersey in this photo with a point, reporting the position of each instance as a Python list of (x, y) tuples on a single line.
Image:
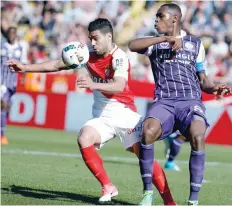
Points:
[(8, 51), (175, 73)]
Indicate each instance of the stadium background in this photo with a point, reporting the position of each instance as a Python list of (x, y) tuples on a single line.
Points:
[(52, 100)]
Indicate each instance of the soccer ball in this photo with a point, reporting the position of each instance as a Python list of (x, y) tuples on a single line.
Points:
[(75, 55)]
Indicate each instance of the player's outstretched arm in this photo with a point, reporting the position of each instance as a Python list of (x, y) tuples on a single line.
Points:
[(49, 66), (207, 87), (140, 44)]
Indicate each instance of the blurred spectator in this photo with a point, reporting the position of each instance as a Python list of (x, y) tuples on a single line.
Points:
[(47, 23), (45, 26), (35, 35)]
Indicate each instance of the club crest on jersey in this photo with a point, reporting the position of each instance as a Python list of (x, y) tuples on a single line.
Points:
[(164, 45), (189, 46)]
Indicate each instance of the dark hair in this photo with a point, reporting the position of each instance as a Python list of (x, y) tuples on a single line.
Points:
[(104, 25), (173, 7), (11, 28)]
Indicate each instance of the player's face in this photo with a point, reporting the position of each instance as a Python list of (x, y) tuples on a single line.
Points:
[(100, 42), (12, 35), (164, 21)]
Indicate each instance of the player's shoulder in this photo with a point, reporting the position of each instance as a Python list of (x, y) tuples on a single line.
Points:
[(192, 43), (191, 38), (118, 53)]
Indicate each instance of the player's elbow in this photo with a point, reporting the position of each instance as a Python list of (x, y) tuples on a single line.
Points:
[(120, 85), (120, 89), (132, 46)]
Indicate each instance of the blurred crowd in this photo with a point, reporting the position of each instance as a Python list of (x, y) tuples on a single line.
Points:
[(45, 26)]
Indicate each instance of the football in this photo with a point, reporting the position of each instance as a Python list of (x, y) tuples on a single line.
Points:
[(75, 55)]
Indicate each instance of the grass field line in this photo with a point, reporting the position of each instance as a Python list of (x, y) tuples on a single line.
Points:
[(108, 158)]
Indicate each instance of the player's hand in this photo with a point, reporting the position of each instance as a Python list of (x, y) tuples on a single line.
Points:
[(16, 66), (85, 82), (221, 90), (175, 42)]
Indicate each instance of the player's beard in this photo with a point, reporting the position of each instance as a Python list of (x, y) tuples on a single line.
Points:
[(100, 53)]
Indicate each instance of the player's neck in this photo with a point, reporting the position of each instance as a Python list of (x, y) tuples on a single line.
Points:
[(111, 47), (11, 42), (174, 32)]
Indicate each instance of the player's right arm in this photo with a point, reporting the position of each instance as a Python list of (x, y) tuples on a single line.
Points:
[(142, 45), (49, 66)]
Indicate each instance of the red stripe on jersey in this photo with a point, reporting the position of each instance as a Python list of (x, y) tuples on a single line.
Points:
[(102, 71)]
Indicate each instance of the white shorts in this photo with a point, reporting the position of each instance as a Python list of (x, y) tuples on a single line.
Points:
[(126, 125)]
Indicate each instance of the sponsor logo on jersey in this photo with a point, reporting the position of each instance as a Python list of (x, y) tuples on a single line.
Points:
[(180, 57), (164, 45), (100, 80), (189, 46)]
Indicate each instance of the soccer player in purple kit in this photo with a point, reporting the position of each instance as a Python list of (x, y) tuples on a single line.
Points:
[(10, 49), (178, 69)]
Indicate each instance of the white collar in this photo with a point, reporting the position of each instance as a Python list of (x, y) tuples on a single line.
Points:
[(182, 34), (114, 49)]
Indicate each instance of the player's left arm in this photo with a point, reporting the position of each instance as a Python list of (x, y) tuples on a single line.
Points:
[(116, 85), (206, 85)]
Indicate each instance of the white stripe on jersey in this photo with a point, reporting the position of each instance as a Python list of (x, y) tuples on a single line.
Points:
[(188, 77), (172, 76), (157, 65), (173, 80), (181, 79), (188, 80), (166, 79)]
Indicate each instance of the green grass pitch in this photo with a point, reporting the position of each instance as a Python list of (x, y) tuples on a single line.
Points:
[(43, 167)]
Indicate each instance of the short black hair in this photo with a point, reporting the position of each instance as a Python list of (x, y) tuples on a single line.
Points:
[(102, 24), (173, 7), (11, 28)]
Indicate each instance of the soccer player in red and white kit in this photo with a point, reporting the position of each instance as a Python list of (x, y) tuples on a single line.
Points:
[(114, 111)]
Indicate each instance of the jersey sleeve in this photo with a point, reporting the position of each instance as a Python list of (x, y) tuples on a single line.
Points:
[(120, 64), (148, 51), (200, 59)]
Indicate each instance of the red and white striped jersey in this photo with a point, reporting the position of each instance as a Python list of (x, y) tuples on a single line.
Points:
[(103, 70)]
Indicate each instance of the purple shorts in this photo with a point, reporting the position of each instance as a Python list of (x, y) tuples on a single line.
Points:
[(176, 114)]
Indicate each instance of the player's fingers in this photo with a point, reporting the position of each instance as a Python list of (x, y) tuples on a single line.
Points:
[(11, 61), (81, 83), (80, 80), (11, 68), (82, 86), (175, 47)]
